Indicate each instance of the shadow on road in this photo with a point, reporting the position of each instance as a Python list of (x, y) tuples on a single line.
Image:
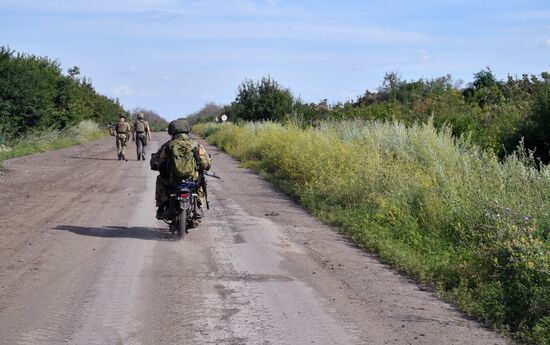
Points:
[(142, 233), (94, 158)]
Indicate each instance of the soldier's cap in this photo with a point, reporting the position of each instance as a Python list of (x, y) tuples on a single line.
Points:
[(140, 115)]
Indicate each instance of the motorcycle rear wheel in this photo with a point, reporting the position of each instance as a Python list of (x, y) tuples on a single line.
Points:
[(181, 224)]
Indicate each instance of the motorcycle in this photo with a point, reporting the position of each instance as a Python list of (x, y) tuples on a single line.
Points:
[(182, 208)]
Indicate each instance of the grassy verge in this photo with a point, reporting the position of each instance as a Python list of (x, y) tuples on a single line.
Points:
[(435, 207), (85, 131)]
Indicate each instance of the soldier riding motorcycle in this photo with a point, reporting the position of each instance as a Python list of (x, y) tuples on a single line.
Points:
[(181, 186)]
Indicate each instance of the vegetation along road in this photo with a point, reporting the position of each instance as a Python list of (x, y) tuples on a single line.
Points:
[(84, 261)]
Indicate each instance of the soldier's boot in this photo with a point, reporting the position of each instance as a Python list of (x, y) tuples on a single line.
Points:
[(119, 156), (163, 211), (160, 211), (199, 212), (139, 157), (142, 156)]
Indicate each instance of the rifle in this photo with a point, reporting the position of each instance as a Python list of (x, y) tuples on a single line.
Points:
[(212, 175), (202, 179), (112, 131)]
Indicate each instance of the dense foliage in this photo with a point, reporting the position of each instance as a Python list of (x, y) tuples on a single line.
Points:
[(446, 212), (255, 101), (496, 114), (36, 96), (263, 100)]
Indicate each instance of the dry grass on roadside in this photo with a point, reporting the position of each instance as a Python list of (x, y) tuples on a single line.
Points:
[(85, 131)]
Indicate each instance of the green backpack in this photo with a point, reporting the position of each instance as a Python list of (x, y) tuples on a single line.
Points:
[(140, 126), (181, 161), (120, 127)]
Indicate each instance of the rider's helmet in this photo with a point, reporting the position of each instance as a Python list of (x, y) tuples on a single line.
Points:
[(179, 126), (140, 116)]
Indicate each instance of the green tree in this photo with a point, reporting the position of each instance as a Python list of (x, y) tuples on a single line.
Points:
[(36, 96), (263, 100), (485, 90)]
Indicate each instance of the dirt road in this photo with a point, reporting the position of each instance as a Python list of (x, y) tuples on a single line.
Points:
[(83, 261)]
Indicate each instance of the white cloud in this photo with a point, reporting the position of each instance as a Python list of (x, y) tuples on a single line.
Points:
[(150, 94), (242, 30), (362, 33), (548, 42), (211, 19), (208, 97), (158, 8), (127, 70), (424, 56), (122, 90), (541, 14), (98, 5)]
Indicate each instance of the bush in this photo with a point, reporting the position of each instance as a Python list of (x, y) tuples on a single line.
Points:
[(262, 100)]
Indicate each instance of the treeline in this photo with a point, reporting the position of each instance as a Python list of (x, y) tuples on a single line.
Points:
[(497, 114), (36, 96), (207, 113)]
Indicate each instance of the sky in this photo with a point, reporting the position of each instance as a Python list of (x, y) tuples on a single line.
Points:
[(173, 56)]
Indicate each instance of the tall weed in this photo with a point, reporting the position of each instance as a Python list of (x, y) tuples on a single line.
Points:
[(52, 139), (436, 207)]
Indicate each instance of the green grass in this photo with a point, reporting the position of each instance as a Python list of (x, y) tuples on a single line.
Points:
[(437, 208), (85, 131)]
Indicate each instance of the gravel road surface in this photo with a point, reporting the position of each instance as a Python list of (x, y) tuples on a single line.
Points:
[(84, 261)]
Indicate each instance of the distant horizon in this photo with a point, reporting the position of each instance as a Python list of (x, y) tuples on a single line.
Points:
[(174, 56)]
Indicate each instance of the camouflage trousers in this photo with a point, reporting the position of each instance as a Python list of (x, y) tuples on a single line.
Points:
[(163, 188), (141, 142), (121, 143)]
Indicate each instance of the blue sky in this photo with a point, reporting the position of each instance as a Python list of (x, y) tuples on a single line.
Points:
[(173, 56)]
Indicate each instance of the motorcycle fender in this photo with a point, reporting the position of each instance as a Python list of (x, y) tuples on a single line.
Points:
[(183, 204)]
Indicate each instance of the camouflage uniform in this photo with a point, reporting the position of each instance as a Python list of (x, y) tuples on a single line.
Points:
[(122, 135), (163, 185), (140, 133)]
